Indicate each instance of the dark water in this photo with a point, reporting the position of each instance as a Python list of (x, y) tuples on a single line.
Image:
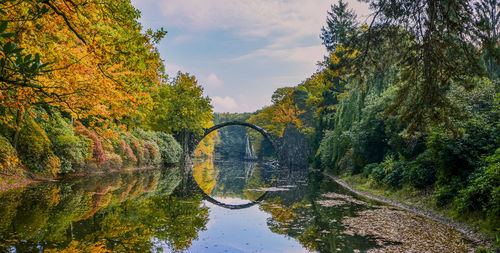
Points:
[(223, 206)]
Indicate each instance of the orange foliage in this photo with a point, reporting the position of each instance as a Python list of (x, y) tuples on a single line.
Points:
[(287, 115), (101, 65), (78, 247), (98, 152)]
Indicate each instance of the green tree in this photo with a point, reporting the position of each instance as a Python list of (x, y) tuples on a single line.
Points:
[(436, 54), (181, 109), (340, 22), (487, 30)]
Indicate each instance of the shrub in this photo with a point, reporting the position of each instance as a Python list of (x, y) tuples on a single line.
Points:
[(151, 145), (368, 169), (35, 152), (421, 173), (9, 162), (71, 149), (483, 192), (445, 194), (170, 149), (391, 172), (378, 174), (493, 213), (97, 152), (147, 158), (113, 162), (129, 158), (395, 177), (138, 151), (153, 151)]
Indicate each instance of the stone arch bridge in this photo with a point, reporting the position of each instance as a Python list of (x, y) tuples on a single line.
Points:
[(292, 149)]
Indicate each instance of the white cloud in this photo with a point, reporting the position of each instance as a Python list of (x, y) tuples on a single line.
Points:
[(286, 49), (251, 17), (224, 104), (229, 104), (284, 24), (213, 81)]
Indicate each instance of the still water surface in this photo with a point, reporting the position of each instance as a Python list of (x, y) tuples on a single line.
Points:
[(218, 206)]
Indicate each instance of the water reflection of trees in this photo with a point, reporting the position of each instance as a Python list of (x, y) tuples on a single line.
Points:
[(297, 213), (143, 210), (232, 178), (205, 175), (120, 212)]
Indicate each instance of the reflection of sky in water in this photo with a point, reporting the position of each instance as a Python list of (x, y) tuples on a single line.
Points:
[(232, 201), (243, 230)]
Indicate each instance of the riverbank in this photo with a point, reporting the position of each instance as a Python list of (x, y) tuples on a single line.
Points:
[(419, 203), (10, 183), (91, 173)]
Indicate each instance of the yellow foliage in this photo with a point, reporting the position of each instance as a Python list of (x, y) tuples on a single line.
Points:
[(206, 146), (78, 247), (287, 114), (101, 65), (9, 162), (205, 175)]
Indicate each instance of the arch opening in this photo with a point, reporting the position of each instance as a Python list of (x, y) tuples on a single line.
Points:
[(269, 137), (234, 182)]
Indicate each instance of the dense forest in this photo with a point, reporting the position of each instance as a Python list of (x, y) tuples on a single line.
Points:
[(83, 89), (408, 103)]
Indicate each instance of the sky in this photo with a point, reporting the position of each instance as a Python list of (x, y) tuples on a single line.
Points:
[(241, 50)]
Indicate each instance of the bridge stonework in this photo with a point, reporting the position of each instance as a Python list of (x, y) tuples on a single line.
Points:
[(292, 152)]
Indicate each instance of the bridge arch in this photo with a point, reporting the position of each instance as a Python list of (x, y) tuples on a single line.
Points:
[(232, 206), (273, 139)]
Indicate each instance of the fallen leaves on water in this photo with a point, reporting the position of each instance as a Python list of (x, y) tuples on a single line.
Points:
[(402, 231), (336, 199), (331, 202)]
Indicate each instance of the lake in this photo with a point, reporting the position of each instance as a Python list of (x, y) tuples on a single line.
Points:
[(218, 205)]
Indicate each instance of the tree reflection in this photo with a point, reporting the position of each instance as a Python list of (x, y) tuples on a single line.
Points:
[(233, 178), (205, 175), (121, 212), (298, 213)]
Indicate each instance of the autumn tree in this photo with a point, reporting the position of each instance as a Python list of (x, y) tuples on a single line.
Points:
[(100, 65), (487, 23)]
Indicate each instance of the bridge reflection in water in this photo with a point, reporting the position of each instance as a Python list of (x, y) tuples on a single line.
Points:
[(217, 180)]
